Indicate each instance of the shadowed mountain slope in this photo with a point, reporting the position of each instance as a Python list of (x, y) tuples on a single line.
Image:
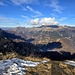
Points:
[(55, 50), (47, 34)]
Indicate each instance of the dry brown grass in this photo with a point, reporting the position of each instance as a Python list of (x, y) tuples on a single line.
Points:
[(73, 70), (33, 59), (40, 69), (68, 71), (36, 59), (48, 60), (59, 68), (9, 55), (48, 68), (61, 65)]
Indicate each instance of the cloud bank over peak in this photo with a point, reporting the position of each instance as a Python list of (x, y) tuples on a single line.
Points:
[(44, 21)]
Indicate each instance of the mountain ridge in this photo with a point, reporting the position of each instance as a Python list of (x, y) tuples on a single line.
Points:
[(47, 34), (55, 50)]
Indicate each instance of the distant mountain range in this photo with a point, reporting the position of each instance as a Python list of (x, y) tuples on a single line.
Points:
[(6, 28), (51, 41), (45, 35)]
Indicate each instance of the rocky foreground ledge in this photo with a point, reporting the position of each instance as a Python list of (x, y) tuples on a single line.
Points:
[(31, 66), (15, 66)]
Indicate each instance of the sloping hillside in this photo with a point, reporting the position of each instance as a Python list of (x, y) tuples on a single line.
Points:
[(48, 34), (8, 45), (57, 48)]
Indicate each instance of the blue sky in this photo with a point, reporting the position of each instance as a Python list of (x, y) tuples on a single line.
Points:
[(30, 13)]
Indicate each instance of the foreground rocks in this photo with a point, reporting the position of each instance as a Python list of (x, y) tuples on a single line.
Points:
[(36, 66), (63, 67), (18, 66), (15, 66)]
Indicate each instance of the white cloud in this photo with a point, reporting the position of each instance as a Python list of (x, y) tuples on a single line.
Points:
[(55, 5), (35, 21), (23, 8), (44, 21), (5, 20), (20, 2), (2, 3), (62, 19), (11, 22), (24, 16), (34, 11), (28, 7)]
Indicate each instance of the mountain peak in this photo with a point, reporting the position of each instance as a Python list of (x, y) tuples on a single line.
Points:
[(51, 26)]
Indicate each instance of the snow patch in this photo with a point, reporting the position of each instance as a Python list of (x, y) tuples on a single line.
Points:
[(70, 63), (15, 66), (44, 61)]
